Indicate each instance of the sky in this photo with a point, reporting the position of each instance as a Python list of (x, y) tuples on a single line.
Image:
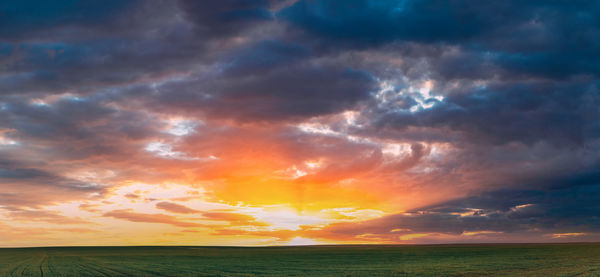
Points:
[(283, 122)]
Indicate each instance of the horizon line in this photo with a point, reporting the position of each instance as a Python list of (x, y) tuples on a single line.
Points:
[(310, 245)]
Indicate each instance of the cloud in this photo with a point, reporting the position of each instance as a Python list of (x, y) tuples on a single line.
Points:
[(521, 38), (497, 216), (26, 17), (175, 208), (520, 212), (384, 21), (283, 235), (129, 215), (15, 234), (34, 187), (233, 218), (455, 120), (227, 17), (290, 92), (501, 113), (24, 215)]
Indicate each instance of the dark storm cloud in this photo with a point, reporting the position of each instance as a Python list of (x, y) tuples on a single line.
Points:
[(507, 211), (92, 53), (36, 177), (263, 57), (34, 187), (562, 114), (531, 38), (256, 88), (90, 127), (66, 117), (83, 67), (76, 118), (20, 18), (224, 18), (384, 21)]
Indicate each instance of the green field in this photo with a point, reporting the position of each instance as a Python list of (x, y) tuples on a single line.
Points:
[(422, 260)]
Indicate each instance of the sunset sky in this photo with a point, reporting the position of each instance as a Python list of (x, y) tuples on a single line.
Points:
[(266, 122)]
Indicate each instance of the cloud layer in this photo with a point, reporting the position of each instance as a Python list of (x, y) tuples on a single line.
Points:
[(255, 122)]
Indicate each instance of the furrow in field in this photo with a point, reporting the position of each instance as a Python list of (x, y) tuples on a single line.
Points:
[(18, 269), (42, 261), (11, 268), (49, 269), (102, 267), (90, 269), (22, 269)]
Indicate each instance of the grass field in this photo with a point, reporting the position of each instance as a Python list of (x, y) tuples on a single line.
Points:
[(423, 260)]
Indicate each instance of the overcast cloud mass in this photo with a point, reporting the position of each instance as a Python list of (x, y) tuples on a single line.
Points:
[(261, 122)]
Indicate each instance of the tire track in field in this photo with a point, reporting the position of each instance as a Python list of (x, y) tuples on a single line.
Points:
[(85, 267), (111, 271), (12, 271), (50, 267), (108, 268), (588, 272), (103, 268), (23, 267), (43, 259)]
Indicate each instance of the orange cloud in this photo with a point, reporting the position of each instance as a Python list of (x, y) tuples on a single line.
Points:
[(17, 214), (175, 208), (150, 218), (234, 218)]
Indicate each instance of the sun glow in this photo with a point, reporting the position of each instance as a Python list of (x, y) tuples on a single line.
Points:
[(302, 241)]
